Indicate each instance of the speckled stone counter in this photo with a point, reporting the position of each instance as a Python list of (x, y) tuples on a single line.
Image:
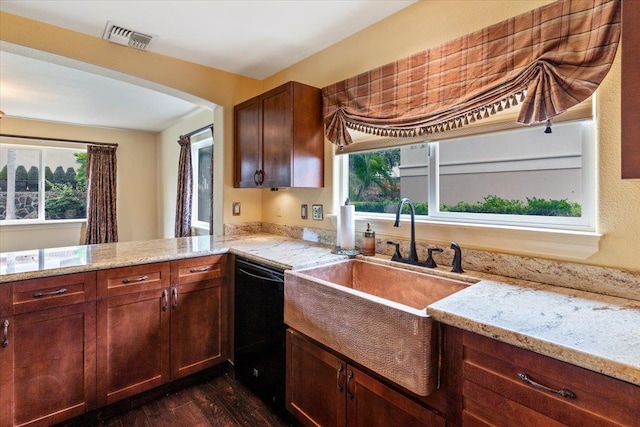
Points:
[(594, 331), (277, 251)]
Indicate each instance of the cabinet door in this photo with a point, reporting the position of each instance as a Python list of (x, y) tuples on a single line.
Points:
[(277, 129), (198, 326), (370, 403), (247, 144), (315, 392), (133, 344), (199, 314), (6, 370), (54, 365)]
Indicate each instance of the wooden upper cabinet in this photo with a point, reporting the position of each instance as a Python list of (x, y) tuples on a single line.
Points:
[(279, 139), (630, 108), (248, 159)]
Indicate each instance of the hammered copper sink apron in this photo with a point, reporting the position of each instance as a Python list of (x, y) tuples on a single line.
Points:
[(373, 314)]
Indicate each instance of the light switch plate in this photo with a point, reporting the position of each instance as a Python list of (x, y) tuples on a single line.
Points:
[(316, 212), (303, 211), (236, 208)]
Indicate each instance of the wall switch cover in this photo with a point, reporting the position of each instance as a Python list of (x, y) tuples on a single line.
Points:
[(316, 212), (303, 211), (236, 208)]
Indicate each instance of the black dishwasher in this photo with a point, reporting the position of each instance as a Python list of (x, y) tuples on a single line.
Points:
[(259, 331)]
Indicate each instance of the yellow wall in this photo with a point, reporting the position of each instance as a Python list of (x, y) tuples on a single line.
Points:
[(137, 185), (420, 26), (430, 23)]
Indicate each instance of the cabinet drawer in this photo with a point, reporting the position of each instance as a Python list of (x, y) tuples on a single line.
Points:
[(496, 367), (138, 278), (198, 269), (55, 291)]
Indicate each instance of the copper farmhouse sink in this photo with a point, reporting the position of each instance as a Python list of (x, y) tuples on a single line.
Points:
[(373, 314)]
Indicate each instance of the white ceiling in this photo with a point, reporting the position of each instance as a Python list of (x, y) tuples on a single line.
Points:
[(254, 38)]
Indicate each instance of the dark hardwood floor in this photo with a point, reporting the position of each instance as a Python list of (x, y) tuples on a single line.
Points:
[(217, 402)]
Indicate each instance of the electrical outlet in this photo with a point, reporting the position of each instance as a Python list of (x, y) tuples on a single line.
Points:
[(236, 208), (316, 212)]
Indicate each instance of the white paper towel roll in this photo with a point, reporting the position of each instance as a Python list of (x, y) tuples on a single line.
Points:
[(347, 227)]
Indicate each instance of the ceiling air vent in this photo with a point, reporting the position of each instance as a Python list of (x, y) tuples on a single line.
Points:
[(126, 37)]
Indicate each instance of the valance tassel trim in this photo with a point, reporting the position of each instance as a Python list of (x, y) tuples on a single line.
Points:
[(540, 76)]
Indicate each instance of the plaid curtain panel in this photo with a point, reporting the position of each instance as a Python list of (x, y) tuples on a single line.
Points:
[(549, 59)]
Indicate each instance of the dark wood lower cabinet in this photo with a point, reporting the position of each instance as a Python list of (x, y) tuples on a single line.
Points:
[(72, 343), (167, 321), (198, 327), (495, 394), (324, 390), (48, 366), (133, 344)]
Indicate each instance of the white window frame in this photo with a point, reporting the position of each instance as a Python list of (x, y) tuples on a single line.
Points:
[(195, 147), (41, 149), (585, 223), (572, 238)]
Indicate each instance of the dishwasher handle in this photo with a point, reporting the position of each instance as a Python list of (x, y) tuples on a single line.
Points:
[(261, 277)]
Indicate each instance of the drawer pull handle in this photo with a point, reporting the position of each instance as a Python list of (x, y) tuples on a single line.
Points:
[(199, 270), (139, 279), (564, 392), (5, 328), (46, 294), (340, 369)]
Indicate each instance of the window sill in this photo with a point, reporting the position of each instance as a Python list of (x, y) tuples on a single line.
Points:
[(43, 224), (546, 243)]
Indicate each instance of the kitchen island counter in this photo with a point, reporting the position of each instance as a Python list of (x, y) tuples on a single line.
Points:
[(277, 251)]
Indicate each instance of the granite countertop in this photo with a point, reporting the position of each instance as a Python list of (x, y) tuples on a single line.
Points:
[(594, 331), (277, 251)]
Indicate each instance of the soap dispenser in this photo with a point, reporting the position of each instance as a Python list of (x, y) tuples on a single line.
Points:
[(369, 242)]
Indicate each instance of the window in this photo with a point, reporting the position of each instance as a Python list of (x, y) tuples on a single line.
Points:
[(201, 152), (520, 177), (42, 184)]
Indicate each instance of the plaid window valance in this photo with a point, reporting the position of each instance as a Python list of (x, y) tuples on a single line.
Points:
[(549, 59)]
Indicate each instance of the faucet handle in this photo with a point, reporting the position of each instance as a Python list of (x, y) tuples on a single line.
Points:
[(397, 256), (430, 262)]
